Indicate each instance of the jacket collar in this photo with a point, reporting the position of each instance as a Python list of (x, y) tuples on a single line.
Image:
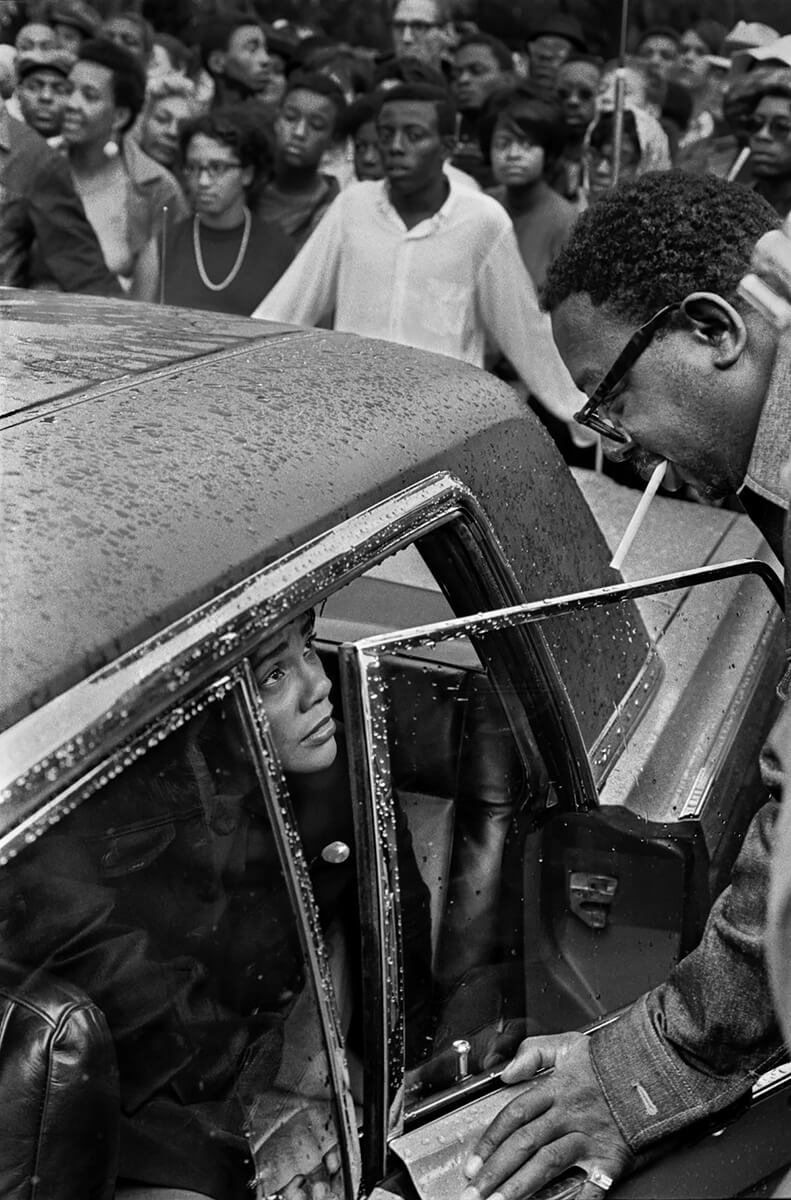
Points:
[(772, 445)]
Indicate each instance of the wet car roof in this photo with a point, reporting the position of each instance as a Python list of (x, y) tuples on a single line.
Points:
[(130, 498), (152, 457)]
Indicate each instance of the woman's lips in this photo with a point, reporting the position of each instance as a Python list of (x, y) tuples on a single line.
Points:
[(320, 733)]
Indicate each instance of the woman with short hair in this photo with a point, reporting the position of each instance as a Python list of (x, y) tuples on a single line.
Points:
[(170, 104), (223, 257)]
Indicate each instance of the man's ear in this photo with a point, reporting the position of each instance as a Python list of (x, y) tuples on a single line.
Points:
[(716, 322), (215, 61)]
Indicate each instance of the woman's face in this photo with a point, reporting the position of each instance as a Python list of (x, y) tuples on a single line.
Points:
[(159, 135), (295, 693), (600, 162), (216, 179), (517, 160)]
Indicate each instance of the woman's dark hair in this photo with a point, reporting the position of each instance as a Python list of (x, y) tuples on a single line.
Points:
[(361, 111), (182, 57), (129, 80), (240, 130), (528, 112), (439, 97)]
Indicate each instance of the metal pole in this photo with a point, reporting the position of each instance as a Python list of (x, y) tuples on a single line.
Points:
[(620, 95)]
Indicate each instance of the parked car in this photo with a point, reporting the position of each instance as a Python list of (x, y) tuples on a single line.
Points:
[(212, 969)]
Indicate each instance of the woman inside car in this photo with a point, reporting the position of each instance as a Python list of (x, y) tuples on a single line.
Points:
[(163, 898)]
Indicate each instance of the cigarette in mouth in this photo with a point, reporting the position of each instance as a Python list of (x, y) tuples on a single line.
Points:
[(638, 515)]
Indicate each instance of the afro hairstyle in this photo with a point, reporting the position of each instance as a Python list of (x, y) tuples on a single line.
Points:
[(651, 242), (128, 77)]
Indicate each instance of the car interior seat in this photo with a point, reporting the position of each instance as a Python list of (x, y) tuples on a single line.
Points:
[(59, 1093)]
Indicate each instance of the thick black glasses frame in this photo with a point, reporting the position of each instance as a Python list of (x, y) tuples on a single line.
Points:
[(637, 344)]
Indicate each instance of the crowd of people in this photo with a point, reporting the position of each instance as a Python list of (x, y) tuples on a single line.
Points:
[(427, 196), (260, 167)]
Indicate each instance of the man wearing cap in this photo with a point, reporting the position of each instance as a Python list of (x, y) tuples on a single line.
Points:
[(74, 22), (550, 44), (708, 391), (42, 90)]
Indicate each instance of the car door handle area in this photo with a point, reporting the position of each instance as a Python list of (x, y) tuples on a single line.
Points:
[(590, 897)]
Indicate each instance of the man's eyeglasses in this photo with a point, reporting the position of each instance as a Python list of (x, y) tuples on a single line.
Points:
[(602, 396), (779, 127), (417, 27), (216, 169)]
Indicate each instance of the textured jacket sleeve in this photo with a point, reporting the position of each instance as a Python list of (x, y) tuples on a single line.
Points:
[(698, 1042), (515, 323), (47, 239), (305, 294)]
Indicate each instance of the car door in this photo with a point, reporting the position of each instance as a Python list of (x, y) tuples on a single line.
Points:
[(168, 889), (551, 910)]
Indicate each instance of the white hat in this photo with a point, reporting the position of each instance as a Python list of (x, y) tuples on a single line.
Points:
[(747, 34), (776, 52)]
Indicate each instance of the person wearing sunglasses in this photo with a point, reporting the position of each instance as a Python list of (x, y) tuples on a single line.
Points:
[(648, 318), (576, 87), (769, 131)]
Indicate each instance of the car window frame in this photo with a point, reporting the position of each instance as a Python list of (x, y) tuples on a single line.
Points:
[(239, 683), (83, 730), (362, 681)]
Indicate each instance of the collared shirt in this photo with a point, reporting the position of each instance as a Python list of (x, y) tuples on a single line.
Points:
[(451, 284), (45, 237)]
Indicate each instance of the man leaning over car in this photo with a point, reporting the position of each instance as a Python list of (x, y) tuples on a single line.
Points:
[(704, 385)]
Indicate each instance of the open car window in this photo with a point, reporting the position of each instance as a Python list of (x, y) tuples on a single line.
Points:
[(547, 913), (167, 903)]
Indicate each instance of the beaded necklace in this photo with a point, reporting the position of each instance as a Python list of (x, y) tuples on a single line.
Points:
[(237, 266)]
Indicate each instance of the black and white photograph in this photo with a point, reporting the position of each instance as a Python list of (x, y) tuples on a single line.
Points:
[(395, 691)]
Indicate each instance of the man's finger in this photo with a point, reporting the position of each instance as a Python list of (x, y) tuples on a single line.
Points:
[(510, 1140), (515, 1117), (538, 1054), (519, 1178)]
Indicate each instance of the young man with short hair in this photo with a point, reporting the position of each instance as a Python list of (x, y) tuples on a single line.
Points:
[(482, 65), (234, 52), (309, 117), (706, 390), (418, 260)]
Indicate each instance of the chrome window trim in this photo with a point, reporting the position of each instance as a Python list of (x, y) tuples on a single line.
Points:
[(49, 748), (274, 791), (295, 870)]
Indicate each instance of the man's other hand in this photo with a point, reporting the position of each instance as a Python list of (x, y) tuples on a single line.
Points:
[(562, 1121)]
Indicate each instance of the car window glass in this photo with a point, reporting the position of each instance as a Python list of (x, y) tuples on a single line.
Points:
[(162, 902), (466, 792), (546, 915)]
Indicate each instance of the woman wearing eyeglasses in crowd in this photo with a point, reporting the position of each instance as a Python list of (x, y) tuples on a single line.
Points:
[(769, 130), (223, 258)]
